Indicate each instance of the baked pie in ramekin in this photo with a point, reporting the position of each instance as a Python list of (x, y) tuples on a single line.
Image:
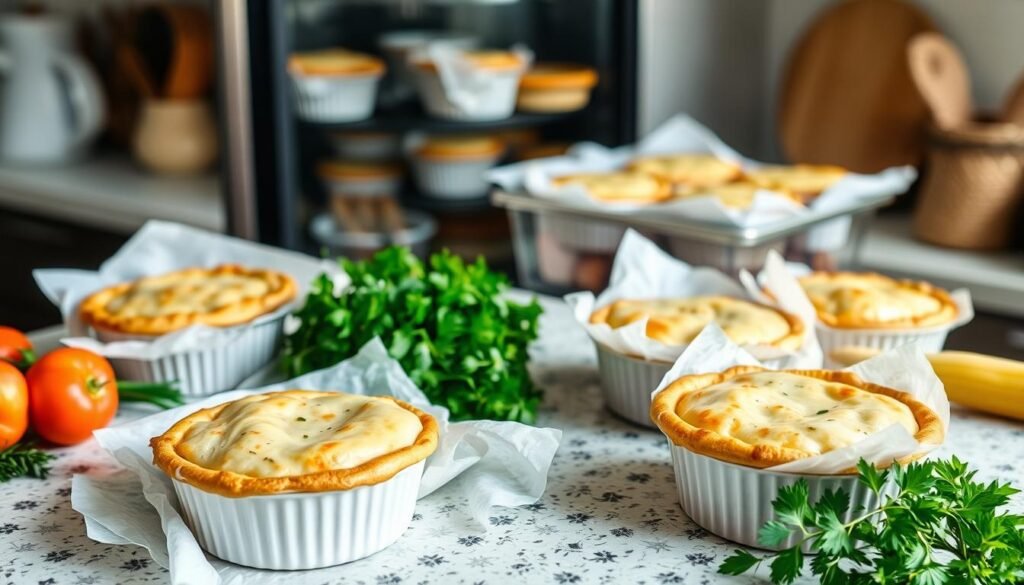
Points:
[(298, 479), (725, 428), (556, 87), (872, 310), (455, 167), (628, 380), (226, 296), (496, 76), (335, 85)]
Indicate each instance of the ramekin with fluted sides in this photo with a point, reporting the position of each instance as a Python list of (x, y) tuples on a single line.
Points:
[(582, 235), (366, 146), (335, 98), (453, 178), (734, 501), (627, 382), (206, 370), (929, 339), (297, 531), (494, 98)]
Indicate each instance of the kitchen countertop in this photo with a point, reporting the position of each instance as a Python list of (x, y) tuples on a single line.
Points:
[(609, 514)]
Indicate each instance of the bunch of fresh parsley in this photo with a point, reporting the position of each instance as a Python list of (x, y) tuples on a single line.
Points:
[(936, 525), (447, 323), (24, 460)]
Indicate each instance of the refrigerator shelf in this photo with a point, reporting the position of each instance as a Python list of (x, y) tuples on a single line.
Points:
[(408, 119)]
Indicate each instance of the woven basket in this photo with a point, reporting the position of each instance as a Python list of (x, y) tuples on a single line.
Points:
[(972, 191)]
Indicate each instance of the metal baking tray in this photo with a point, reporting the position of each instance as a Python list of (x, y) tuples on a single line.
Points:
[(702, 231)]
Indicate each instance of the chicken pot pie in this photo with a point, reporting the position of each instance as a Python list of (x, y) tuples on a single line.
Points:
[(696, 171), (761, 418), (295, 441), (679, 321), (619, 187), (853, 300), (223, 296), (738, 195), (334, 62), (805, 181)]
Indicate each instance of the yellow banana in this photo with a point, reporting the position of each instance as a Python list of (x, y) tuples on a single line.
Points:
[(983, 382)]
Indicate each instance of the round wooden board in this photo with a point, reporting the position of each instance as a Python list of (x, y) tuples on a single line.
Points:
[(847, 96)]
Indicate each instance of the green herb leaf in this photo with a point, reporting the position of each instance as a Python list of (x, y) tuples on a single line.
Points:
[(446, 323), (22, 459), (738, 563), (940, 526), (773, 533)]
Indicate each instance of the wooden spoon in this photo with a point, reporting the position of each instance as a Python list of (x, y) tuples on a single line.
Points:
[(938, 70)]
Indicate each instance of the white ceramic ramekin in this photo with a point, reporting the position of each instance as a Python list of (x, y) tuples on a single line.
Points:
[(208, 370), (733, 501), (930, 339), (335, 98), (627, 383), (495, 99), (302, 530), (725, 258), (366, 146), (582, 235), (453, 178)]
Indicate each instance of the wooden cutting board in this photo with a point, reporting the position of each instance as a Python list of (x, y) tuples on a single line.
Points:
[(847, 97)]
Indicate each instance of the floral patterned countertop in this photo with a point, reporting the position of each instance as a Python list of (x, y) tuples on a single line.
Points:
[(609, 514)]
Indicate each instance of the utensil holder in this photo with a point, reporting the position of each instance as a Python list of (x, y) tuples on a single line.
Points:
[(972, 191)]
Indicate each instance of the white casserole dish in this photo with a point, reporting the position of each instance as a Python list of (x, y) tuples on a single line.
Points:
[(298, 531), (494, 97), (453, 178), (335, 98)]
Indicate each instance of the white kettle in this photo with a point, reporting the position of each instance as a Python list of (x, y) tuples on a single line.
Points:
[(51, 105)]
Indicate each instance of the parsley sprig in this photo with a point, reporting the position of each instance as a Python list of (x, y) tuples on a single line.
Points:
[(22, 459), (447, 323), (936, 526)]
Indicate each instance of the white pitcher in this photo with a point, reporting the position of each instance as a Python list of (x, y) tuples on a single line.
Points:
[(51, 105)]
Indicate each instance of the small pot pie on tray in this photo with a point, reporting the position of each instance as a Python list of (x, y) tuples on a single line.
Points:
[(725, 428), (805, 182), (628, 380), (313, 478), (615, 188), (692, 171), (876, 311), (227, 296)]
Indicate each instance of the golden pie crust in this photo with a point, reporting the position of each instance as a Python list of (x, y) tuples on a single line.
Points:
[(466, 147), (550, 76), (678, 321), (734, 450), (487, 60), (223, 296), (167, 456), (868, 300), (696, 171), (619, 187), (335, 62), (804, 181), (738, 195)]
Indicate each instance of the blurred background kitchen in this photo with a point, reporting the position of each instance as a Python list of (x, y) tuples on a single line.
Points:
[(231, 116)]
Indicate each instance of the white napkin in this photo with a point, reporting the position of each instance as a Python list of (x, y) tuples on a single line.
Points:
[(465, 85), (500, 464), (160, 247), (683, 134), (905, 368), (642, 270)]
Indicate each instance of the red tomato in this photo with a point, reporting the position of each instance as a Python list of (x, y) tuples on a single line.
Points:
[(14, 346), (13, 405), (71, 393)]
